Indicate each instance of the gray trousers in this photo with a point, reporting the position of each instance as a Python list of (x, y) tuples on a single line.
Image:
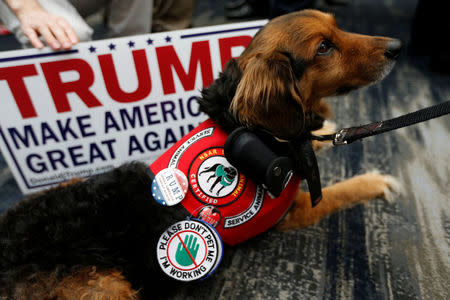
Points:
[(123, 17)]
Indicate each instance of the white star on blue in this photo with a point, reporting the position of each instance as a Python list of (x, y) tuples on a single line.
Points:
[(157, 193)]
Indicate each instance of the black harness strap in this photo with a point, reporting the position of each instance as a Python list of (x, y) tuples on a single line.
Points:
[(306, 167), (349, 135)]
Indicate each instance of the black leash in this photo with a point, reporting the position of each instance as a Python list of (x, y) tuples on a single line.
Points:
[(307, 160), (346, 136), (266, 160)]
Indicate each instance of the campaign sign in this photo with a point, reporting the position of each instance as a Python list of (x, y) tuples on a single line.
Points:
[(83, 111)]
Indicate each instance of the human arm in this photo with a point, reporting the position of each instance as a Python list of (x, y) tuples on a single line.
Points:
[(35, 21)]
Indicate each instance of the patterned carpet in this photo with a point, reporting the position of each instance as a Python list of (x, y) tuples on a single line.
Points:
[(381, 250)]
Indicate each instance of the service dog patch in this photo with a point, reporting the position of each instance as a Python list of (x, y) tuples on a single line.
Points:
[(213, 180), (189, 250)]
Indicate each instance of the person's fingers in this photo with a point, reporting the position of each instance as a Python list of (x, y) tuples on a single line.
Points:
[(49, 38), (60, 35), (33, 37), (69, 31)]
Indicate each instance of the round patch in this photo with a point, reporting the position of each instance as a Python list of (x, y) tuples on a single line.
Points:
[(213, 180), (210, 215), (219, 251), (169, 187), (189, 250)]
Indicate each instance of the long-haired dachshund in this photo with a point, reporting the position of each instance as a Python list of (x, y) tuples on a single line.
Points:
[(96, 239)]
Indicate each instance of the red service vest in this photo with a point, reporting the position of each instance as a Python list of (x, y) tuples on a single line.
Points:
[(218, 193)]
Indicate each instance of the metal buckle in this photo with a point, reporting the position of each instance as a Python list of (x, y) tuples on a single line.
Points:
[(339, 137)]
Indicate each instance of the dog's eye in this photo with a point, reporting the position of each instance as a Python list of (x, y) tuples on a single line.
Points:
[(324, 47)]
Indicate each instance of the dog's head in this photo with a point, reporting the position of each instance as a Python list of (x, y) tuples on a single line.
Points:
[(297, 59)]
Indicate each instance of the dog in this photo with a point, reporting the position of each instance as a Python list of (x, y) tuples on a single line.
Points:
[(95, 239)]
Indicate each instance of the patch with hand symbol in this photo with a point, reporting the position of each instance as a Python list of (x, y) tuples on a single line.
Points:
[(189, 250)]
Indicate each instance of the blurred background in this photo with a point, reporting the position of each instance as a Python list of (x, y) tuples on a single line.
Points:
[(380, 250)]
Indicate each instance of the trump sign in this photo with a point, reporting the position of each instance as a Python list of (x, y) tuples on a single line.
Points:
[(84, 111)]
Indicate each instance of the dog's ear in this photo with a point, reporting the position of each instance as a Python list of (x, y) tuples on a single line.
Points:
[(267, 97)]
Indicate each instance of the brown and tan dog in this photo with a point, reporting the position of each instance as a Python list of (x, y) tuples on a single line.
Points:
[(298, 59), (83, 241)]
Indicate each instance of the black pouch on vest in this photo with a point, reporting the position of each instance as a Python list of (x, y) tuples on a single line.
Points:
[(245, 150)]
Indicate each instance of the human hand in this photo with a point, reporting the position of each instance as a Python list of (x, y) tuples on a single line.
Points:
[(35, 22)]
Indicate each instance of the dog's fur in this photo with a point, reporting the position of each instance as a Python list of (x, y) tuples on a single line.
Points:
[(96, 239)]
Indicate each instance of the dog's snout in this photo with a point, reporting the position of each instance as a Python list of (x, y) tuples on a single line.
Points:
[(393, 48)]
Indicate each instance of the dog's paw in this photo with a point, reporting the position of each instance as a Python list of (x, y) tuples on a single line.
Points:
[(327, 128), (386, 186), (393, 189)]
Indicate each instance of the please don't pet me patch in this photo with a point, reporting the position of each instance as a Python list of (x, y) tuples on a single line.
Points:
[(189, 250)]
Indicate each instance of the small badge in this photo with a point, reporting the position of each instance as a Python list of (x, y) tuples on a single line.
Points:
[(169, 187), (189, 250), (210, 215), (213, 180)]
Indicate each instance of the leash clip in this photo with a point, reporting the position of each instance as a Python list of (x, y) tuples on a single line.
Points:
[(339, 137)]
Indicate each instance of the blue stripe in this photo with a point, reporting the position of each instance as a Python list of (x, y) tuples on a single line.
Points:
[(38, 55), (185, 36)]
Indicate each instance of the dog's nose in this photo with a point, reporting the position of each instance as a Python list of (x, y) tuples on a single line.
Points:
[(393, 48)]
